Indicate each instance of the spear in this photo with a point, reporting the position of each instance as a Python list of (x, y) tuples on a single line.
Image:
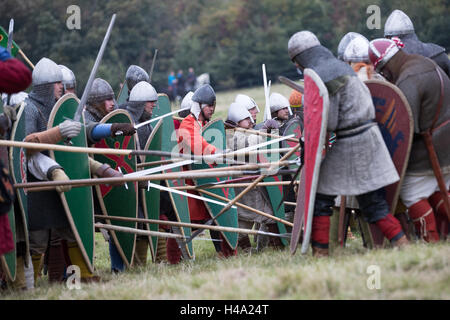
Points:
[(153, 65), (265, 134), (194, 225), (232, 202), (268, 114), (10, 36), (291, 84)]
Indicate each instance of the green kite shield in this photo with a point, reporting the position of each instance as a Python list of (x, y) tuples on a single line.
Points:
[(169, 143), (121, 201), (151, 198), (214, 133), (78, 202), (123, 94), (315, 121), (275, 192), (4, 42), (18, 168)]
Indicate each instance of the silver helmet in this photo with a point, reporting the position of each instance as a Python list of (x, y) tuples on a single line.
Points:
[(277, 102), (237, 112), (357, 50), (143, 91), (300, 42), (45, 72), (345, 41), (134, 75), (68, 80), (398, 24), (245, 100), (205, 95), (100, 91), (186, 104)]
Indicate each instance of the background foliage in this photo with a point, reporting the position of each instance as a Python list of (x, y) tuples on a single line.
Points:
[(229, 39)]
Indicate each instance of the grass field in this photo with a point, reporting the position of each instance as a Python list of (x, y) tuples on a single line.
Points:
[(418, 271)]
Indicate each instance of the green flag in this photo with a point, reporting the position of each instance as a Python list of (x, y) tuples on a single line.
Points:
[(4, 42)]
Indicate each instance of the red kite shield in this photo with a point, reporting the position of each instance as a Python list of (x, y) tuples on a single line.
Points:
[(315, 130), (394, 117)]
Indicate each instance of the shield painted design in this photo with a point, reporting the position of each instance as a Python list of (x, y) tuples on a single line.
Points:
[(214, 133), (78, 202), (315, 132), (169, 143), (121, 200)]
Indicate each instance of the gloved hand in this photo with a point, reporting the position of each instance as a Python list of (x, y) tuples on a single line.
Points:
[(126, 128), (59, 175), (4, 54), (105, 171), (69, 128), (270, 124)]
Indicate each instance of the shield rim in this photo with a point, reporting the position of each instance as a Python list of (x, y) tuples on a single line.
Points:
[(206, 203), (19, 197), (62, 196), (153, 249), (102, 203), (185, 251)]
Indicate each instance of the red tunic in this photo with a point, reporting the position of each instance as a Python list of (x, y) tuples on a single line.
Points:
[(14, 76), (190, 138), (6, 236)]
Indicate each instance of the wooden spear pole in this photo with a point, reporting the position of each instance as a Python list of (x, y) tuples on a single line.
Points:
[(188, 225), (239, 196), (138, 231), (261, 213), (26, 58), (265, 134)]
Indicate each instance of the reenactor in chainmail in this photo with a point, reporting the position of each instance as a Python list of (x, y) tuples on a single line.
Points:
[(398, 24), (99, 103), (427, 90), (239, 116), (134, 75), (48, 225), (358, 163), (345, 41)]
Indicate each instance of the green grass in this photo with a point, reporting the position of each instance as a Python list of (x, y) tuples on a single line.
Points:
[(418, 271)]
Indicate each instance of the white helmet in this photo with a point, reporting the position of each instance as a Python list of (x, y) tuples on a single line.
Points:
[(186, 103), (246, 101), (278, 102), (143, 91), (357, 50), (46, 71), (398, 24), (238, 112), (68, 80)]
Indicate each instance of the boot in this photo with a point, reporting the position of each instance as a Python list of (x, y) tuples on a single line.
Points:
[(161, 248), (422, 215), (319, 252), (401, 242), (273, 241), (19, 283), (244, 243), (320, 236), (141, 251), (37, 261), (56, 264), (173, 251), (76, 258), (437, 203), (117, 264)]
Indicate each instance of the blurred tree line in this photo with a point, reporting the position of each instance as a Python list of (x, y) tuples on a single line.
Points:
[(229, 39)]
